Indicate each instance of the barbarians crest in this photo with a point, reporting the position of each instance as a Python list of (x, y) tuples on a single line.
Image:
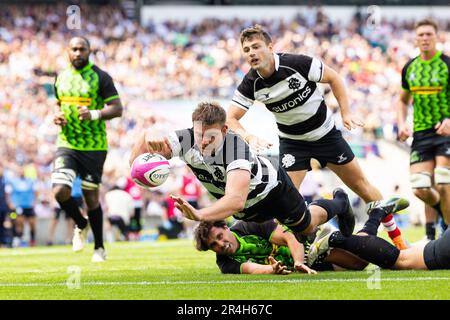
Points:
[(294, 84)]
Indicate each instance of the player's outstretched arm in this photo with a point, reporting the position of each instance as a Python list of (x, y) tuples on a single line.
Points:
[(275, 267), (282, 237), (153, 143), (337, 85), (234, 114), (236, 191)]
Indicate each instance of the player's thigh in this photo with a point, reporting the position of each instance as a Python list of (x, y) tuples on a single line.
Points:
[(422, 157), (442, 161), (424, 166), (350, 173), (345, 259), (297, 177), (64, 172), (414, 258), (91, 168)]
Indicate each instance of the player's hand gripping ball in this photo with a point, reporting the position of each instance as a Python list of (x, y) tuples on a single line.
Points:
[(150, 170)]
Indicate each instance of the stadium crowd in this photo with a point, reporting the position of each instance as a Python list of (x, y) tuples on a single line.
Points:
[(175, 60)]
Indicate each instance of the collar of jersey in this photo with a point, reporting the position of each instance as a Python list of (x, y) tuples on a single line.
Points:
[(436, 56), (88, 66), (241, 243), (276, 57)]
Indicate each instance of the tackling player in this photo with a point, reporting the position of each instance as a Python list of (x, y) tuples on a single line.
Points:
[(245, 185)]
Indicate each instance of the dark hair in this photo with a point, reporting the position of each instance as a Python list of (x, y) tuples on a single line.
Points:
[(427, 22), (255, 31), (209, 113), (201, 233)]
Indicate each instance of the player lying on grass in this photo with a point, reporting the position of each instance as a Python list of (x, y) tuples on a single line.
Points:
[(366, 245), (245, 185), (269, 248)]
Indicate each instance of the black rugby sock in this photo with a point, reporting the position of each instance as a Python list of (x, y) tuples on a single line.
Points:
[(437, 207), (96, 221), (430, 230), (71, 208), (370, 248), (375, 217), (332, 207)]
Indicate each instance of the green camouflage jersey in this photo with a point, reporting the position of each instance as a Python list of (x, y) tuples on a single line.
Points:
[(89, 86), (254, 246), (428, 82)]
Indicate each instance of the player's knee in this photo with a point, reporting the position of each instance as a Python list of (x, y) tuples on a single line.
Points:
[(442, 175), (62, 193), (421, 184), (62, 181), (423, 194), (442, 180)]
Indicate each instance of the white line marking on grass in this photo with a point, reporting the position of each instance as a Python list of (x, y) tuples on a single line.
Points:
[(152, 283), (68, 249)]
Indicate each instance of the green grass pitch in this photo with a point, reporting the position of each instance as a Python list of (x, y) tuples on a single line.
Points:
[(173, 270)]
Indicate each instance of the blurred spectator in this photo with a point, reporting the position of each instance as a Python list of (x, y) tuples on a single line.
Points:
[(119, 207), (172, 224), (191, 188), (137, 194), (4, 209), (22, 192)]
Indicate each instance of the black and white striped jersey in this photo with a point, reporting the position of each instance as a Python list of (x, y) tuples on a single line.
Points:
[(233, 154), (292, 95)]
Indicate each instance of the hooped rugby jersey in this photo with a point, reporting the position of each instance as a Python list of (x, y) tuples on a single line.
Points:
[(234, 153), (292, 95)]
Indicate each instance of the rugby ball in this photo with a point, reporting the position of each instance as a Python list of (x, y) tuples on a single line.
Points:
[(150, 170)]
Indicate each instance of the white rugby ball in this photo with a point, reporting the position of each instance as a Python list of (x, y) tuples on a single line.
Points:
[(150, 170)]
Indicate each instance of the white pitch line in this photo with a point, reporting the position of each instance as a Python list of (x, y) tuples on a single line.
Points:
[(151, 283), (68, 249)]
